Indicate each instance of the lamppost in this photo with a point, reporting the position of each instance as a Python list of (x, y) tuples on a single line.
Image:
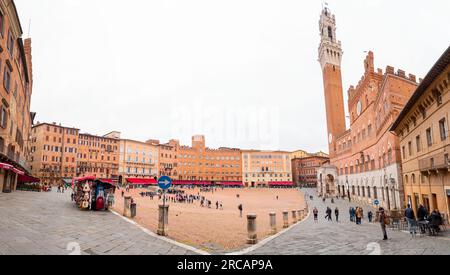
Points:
[(348, 189)]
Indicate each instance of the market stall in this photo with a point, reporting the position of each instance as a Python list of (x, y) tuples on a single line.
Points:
[(93, 194)]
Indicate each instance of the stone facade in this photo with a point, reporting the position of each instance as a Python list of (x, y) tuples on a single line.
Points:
[(366, 156), (423, 129), (259, 168), (61, 153), (304, 170), (138, 159), (15, 93)]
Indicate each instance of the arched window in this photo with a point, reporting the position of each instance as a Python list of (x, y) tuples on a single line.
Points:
[(413, 178), (406, 179), (330, 32)]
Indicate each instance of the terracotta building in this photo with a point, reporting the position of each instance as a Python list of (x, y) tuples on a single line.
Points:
[(98, 156), (423, 129), (304, 170), (138, 159), (167, 162), (15, 91), (198, 162), (266, 168), (365, 162), (54, 153), (60, 154)]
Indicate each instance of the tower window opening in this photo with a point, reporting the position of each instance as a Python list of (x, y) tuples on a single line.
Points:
[(330, 33)]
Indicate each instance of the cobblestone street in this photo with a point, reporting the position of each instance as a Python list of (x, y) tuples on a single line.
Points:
[(47, 223), (325, 238)]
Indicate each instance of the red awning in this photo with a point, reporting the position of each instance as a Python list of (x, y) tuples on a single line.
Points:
[(281, 183), (89, 178), (9, 167), (230, 183), (27, 179), (110, 181), (139, 181)]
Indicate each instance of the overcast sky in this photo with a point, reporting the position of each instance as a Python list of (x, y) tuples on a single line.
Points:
[(242, 72)]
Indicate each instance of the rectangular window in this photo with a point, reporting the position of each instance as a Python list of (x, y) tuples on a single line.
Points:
[(7, 79), (3, 117), (443, 129), (418, 144), (403, 153), (429, 137), (10, 44), (410, 148)]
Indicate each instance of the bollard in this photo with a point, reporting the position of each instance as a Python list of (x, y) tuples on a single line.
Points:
[(294, 216), (300, 216), (133, 210), (285, 219), (273, 223), (251, 228), (163, 220), (127, 206)]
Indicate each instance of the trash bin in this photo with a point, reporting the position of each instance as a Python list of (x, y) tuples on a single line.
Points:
[(133, 210)]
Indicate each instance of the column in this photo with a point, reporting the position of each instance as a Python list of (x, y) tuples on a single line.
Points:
[(127, 206), (251, 229), (294, 216), (163, 220), (273, 223), (285, 219)]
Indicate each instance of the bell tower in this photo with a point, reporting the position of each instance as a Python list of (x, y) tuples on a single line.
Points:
[(330, 56)]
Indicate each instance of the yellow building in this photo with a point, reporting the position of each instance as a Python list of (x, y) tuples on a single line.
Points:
[(265, 168), (137, 159), (299, 154), (423, 129)]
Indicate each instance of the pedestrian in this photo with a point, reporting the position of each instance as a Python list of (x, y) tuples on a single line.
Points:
[(336, 213), (123, 193), (217, 205), (411, 218), (370, 216), (316, 213), (240, 207), (328, 214), (350, 213), (383, 222), (359, 214)]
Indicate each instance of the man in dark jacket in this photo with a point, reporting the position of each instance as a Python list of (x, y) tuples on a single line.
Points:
[(382, 221), (411, 218), (422, 213)]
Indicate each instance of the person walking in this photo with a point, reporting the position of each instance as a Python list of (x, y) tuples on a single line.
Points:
[(316, 214), (350, 213), (359, 214), (336, 213), (328, 216), (217, 205), (240, 210), (370, 216), (383, 222), (411, 218)]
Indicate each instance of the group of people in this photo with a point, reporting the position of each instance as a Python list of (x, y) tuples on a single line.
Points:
[(424, 221), (61, 188), (357, 214), (328, 214)]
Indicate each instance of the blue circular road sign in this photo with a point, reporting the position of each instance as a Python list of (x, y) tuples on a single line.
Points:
[(376, 202), (165, 182)]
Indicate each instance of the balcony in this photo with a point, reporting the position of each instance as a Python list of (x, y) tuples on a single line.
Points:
[(435, 163)]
